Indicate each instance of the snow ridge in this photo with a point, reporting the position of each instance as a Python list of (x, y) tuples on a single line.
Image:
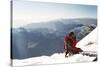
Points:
[(87, 44)]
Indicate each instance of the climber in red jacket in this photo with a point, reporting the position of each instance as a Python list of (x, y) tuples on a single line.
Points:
[(70, 44)]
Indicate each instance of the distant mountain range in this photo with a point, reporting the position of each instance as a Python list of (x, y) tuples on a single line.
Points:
[(37, 39)]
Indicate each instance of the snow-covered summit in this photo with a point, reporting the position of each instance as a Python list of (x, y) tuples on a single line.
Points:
[(89, 43)]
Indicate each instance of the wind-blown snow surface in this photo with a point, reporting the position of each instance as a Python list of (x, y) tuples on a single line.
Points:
[(89, 43)]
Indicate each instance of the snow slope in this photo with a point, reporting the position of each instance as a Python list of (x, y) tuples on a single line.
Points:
[(89, 43)]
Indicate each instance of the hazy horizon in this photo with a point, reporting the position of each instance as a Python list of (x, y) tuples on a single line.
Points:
[(25, 12)]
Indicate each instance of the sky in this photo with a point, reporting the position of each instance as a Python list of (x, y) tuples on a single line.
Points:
[(25, 12)]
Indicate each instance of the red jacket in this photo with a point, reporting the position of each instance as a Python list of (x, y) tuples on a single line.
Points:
[(71, 47), (73, 44)]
